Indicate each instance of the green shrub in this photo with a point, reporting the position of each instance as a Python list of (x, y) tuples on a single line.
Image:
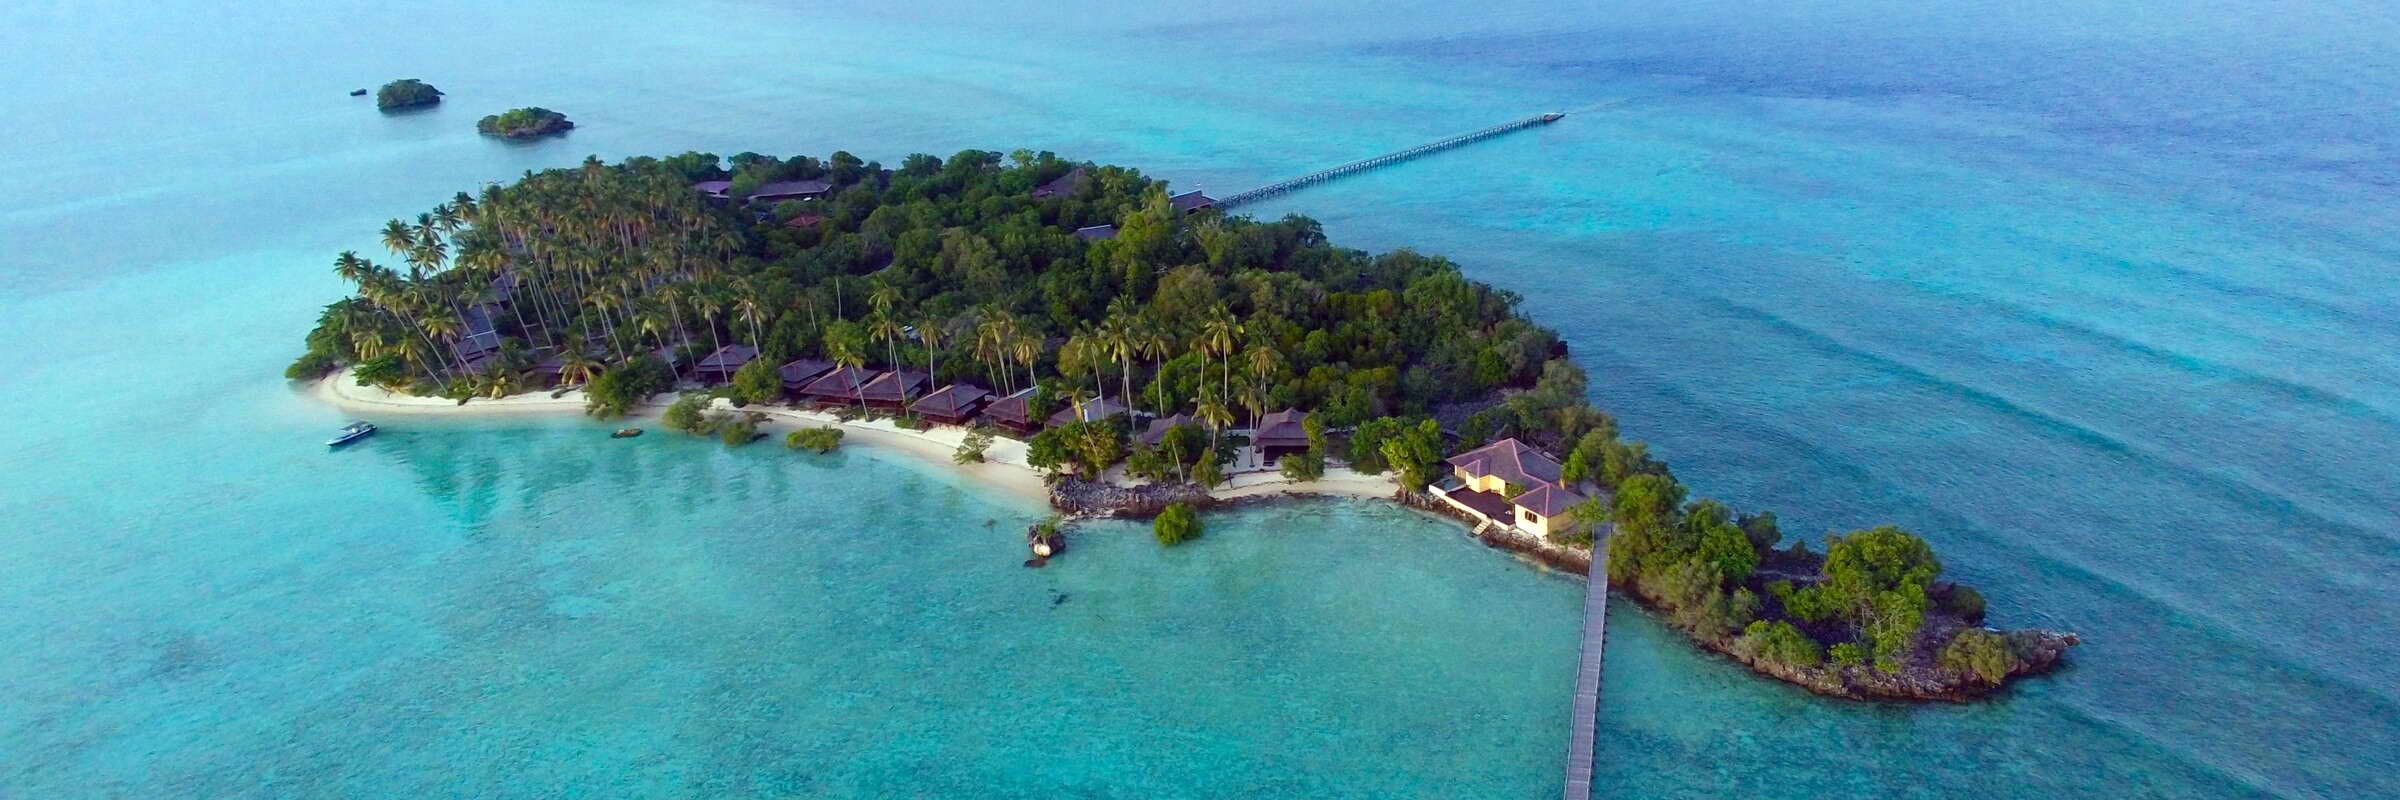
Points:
[(739, 430), (970, 450), (1781, 643), (1981, 653), (757, 382), (689, 414), (1303, 467), (309, 366), (819, 440), (1176, 524), (1848, 654), (618, 389), (1965, 602)]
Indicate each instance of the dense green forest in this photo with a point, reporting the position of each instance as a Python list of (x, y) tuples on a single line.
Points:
[(954, 266)]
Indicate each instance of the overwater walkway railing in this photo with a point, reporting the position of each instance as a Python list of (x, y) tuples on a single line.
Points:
[(1582, 739), (1387, 159)]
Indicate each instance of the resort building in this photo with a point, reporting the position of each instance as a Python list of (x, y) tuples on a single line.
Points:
[(1281, 433), (1191, 201), (839, 387), (718, 367), (1484, 479), (1157, 432), (890, 389), (714, 191), (799, 372), (803, 221), (1091, 411), (1096, 232), (953, 404), (479, 333), (781, 191), (1013, 413), (1063, 186)]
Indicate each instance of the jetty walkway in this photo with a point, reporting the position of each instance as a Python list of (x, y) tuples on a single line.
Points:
[(1583, 737), (1385, 160)]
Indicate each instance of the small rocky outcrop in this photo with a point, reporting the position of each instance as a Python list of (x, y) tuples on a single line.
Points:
[(524, 123), (406, 93)]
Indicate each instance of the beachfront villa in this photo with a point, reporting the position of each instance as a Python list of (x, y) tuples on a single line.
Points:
[(1281, 433), (1014, 413), (954, 404), (719, 366), (1093, 233), (1509, 484), (1091, 411), (799, 372), (890, 389), (839, 387), (1157, 432)]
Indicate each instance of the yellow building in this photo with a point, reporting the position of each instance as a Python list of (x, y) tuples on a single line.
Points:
[(1510, 483)]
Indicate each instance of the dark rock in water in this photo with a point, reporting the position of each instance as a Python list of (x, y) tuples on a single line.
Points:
[(358, 93), (1061, 598), (1037, 563)]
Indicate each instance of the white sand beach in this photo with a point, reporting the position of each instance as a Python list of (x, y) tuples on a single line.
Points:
[(1004, 466)]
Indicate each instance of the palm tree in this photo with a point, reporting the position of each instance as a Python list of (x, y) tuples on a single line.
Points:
[(1216, 336), (884, 328), (446, 328), (1153, 345), (398, 238), (929, 329), (709, 304), (1213, 413), (850, 361), (576, 366), (747, 306), (1028, 347)]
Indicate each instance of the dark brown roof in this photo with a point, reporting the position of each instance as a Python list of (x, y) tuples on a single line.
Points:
[(1063, 186), (801, 371), (1191, 200), (1099, 409), (1096, 232), (840, 384), (889, 386), (1548, 500), (728, 358), (803, 221), (1512, 460), (1012, 408), (791, 189), (1157, 432), (1283, 429), (950, 401), (713, 188)]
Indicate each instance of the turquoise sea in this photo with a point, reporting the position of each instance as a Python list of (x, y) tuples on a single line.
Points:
[(2095, 294)]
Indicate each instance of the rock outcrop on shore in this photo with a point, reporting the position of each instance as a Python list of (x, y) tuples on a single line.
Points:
[(1082, 498)]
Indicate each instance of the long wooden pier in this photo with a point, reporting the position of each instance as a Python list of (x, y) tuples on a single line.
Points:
[(1583, 738), (1387, 159)]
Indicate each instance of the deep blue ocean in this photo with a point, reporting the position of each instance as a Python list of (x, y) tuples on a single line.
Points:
[(2096, 295)]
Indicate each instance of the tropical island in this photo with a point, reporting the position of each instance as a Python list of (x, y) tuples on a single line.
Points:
[(406, 93), (1143, 351), (523, 123)]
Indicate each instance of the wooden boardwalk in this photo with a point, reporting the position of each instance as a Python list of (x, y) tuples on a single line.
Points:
[(1584, 738), (1387, 159)]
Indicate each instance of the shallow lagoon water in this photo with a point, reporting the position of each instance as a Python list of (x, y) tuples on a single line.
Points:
[(2096, 296)]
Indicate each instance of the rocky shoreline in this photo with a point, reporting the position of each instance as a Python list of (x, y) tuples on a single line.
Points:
[(1920, 679)]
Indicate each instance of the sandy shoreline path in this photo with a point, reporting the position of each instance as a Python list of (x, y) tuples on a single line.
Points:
[(1004, 466)]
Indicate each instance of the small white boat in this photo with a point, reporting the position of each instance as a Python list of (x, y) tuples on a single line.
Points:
[(351, 433)]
